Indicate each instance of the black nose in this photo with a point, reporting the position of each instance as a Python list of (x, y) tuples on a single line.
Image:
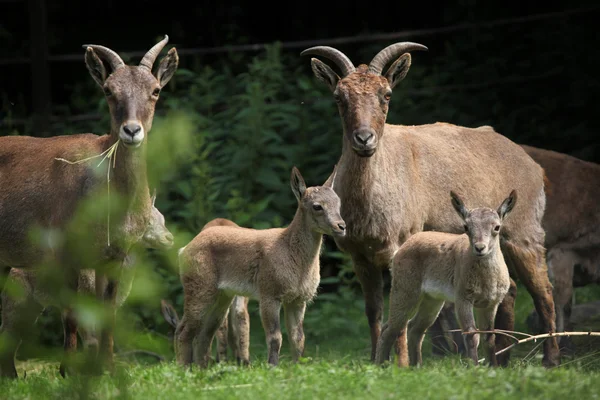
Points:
[(342, 227), (479, 247), (363, 136), (132, 129)]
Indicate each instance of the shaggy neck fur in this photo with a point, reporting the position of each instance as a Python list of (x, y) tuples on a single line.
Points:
[(130, 176), (128, 180), (370, 190)]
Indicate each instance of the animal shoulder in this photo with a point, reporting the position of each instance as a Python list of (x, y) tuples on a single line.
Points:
[(236, 234), (435, 237)]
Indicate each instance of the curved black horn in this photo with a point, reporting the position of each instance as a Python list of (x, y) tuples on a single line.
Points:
[(110, 56), (151, 55), (392, 51), (340, 59)]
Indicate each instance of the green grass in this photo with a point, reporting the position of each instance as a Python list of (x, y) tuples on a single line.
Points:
[(342, 378), (336, 366)]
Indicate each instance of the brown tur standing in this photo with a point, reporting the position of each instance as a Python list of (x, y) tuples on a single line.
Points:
[(44, 194), (390, 179), (572, 225)]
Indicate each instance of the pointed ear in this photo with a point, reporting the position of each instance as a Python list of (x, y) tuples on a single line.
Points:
[(297, 183), (168, 66), (169, 313), (324, 73), (153, 197), (459, 205), (329, 182), (95, 66), (398, 70), (507, 205)]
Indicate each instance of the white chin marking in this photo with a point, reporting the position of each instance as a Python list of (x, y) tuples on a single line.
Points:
[(131, 144), (129, 141)]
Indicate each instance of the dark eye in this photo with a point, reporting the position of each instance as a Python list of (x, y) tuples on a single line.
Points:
[(466, 228), (317, 207), (337, 98), (497, 228), (107, 92), (156, 92)]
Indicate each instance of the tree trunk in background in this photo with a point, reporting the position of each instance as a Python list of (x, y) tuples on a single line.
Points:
[(40, 73)]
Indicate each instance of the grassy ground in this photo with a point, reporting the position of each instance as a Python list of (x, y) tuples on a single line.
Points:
[(336, 366)]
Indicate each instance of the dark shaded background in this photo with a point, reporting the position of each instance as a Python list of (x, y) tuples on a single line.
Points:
[(127, 26)]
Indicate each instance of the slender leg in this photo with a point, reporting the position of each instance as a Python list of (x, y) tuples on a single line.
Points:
[(185, 333), (486, 318), (210, 322), (530, 266), (446, 343), (200, 297), (69, 337), (561, 269), (449, 323), (371, 280), (439, 344), (505, 319), (232, 333), (88, 339), (294, 319), (69, 325), (18, 319), (239, 324), (269, 314), (222, 340), (404, 301), (464, 313), (4, 271), (418, 325), (106, 348), (402, 345)]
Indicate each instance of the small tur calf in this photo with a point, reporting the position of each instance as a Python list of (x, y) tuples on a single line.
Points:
[(278, 266), (433, 267), (235, 329)]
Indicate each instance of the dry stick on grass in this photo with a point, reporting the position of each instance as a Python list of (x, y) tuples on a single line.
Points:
[(529, 337), (547, 335)]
